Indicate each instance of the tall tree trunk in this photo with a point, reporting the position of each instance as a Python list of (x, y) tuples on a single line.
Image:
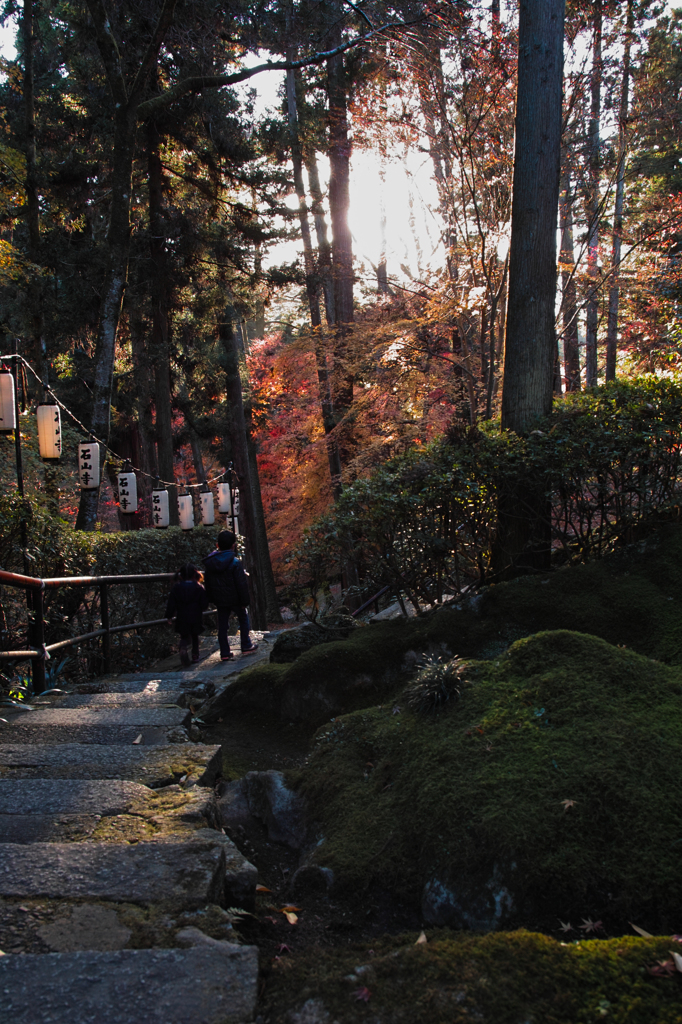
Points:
[(117, 248), (324, 249), (142, 444), (614, 287), (312, 288), (34, 291), (197, 457), (530, 337), (569, 302), (272, 608), (342, 243), (160, 306), (592, 304), (256, 558), (523, 536)]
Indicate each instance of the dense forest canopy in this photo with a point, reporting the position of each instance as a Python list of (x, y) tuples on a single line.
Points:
[(178, 261)]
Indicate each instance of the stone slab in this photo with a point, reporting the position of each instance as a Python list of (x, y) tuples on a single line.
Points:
[(207, 984), (118, 725), (141, 684), (187, 874), (69, 796), (96, 701), (152, 766), (47, 828)]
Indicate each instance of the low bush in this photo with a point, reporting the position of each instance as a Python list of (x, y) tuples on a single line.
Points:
[(604, 463)]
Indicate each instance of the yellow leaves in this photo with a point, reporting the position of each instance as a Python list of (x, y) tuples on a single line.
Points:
[(290, 913)]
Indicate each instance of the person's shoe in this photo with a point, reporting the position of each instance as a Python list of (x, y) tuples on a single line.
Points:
[(251, 650), (184, 657), (227, 657)]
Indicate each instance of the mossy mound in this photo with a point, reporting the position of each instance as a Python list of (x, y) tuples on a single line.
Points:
[(517, 978), (631, 598), (291, 644), (549, 789)]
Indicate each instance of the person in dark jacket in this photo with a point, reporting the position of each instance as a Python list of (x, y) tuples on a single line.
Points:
[(228, 590), (186, 602)]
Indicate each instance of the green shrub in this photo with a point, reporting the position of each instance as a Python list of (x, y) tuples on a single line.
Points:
[(606, 461)]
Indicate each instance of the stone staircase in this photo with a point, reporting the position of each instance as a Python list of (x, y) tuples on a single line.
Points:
[(115, 874)]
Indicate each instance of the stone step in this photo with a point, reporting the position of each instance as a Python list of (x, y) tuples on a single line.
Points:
[(152, 766), (69, 796), (207, 868), (170, 681), (117, 725), (212, 983), (145, 699)]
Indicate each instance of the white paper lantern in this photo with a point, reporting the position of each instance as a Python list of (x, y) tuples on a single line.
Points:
[(235, 526), (235, 504), (127, 492), (49, 431), (224, 499), (8, 412), (186, 511), (160, 513), (88, 465), (207, 508)]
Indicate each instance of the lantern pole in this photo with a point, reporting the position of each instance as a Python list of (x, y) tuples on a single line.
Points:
[(17, 455)]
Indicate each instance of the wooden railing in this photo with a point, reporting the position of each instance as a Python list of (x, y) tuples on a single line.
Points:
[(38, 653)]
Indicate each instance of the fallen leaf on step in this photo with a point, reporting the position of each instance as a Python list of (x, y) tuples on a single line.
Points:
[(662, 969), (290, 907), (640, 931), (290, 916), (678, 960), (565, 926), (262, 888), (137, 740), (589, 925), (568, 803), (422, 939), (362, 995)]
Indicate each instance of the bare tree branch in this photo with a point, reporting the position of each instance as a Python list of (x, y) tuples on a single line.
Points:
[(197, 83), (163, 24), (109, 51)]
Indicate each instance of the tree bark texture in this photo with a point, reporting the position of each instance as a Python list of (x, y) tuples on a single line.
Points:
[(523, 539), (569, 300), (324, 249), (616, 243), (592, 206), (312, 290), (160, 326), (254, 558), (530, 335)]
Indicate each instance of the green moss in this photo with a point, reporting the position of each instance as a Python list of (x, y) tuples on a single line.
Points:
[(516, 978), (478, 793)]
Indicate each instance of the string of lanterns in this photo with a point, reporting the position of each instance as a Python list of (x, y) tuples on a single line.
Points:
[(48, 415)]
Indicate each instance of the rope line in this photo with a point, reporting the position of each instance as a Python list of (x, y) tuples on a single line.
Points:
[(116, 457)]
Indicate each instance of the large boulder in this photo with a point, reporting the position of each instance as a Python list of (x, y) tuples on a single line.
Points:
[(545, 789)]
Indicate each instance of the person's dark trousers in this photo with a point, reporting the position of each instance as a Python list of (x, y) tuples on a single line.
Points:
[(223, 623), (192, 639)]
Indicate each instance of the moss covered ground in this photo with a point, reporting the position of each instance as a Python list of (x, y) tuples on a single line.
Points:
[(515, 978), (631, 598), (555, 774)]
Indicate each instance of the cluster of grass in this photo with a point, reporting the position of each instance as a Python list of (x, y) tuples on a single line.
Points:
[(452, 979), (554, 775)]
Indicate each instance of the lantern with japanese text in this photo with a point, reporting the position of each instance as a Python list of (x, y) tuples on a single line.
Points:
[(49, 431), (127, 492), (225, 499), (8, 410), (88, 465), (235, 504), (160, 513), (186, 511), (207, 508)]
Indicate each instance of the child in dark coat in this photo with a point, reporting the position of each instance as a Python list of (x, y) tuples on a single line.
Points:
[(186, 602)]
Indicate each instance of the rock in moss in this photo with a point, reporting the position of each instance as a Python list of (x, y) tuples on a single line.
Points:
[(549, 789), (294, 642)]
